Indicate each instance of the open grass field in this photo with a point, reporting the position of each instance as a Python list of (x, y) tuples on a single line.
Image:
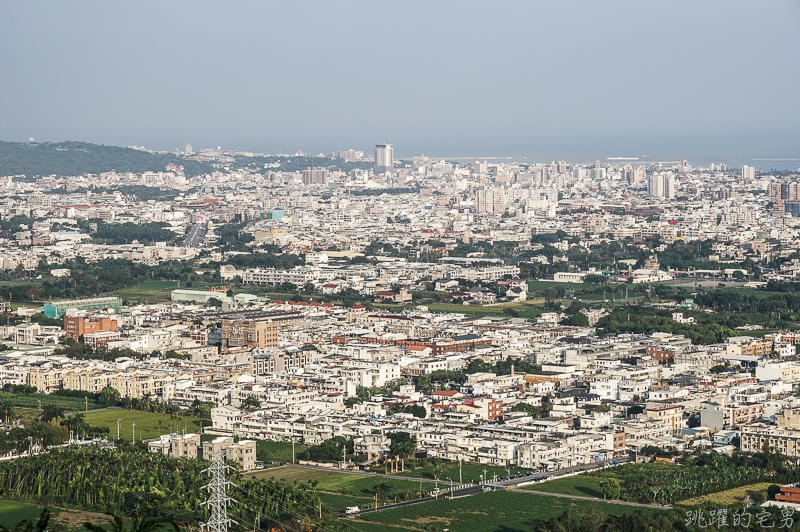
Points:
[(730, 497), (497, 511), (152, 291), (469, 472), (147, 423)]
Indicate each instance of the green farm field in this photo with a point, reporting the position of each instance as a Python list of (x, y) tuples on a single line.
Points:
[(498, 511), (32, 401), (147, 423)]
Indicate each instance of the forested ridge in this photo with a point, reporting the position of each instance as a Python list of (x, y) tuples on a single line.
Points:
[(76, 158)]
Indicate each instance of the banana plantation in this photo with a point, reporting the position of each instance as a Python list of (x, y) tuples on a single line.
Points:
[(132, 482), (702, 474)]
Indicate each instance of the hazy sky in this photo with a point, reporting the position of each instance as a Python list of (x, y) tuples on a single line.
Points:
[(543, 79)]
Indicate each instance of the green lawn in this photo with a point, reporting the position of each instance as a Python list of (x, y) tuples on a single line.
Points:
[(498, 511), (147, 423)]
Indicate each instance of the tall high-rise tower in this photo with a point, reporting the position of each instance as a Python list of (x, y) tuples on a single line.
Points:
[(384, 158)]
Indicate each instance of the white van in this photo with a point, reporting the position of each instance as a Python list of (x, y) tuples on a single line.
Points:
[(352, 510)]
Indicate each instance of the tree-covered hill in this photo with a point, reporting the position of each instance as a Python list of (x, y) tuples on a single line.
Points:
[(76, 158)]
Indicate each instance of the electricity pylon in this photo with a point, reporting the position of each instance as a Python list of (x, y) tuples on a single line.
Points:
[(218, 494)]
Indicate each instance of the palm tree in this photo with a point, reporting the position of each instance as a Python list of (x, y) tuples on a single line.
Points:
[(75, 422), (51, 413)]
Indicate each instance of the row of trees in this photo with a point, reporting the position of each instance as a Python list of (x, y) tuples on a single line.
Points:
[(128, 232), (126, 482)]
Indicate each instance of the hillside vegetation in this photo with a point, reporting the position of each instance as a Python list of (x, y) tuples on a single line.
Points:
[(75, 158)]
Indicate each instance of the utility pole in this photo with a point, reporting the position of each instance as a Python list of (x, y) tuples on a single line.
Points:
[(133, 432), (459, 471), (86, 408), (118, 429), (292, 450), (218, 498)]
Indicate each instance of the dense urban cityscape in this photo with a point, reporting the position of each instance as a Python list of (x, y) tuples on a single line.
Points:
[(475, 325), (399, 267)]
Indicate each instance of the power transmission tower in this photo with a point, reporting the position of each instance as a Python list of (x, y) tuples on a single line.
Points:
[(218, 494)]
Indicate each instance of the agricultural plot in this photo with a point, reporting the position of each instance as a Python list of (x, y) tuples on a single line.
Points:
[(469, 472), (498, 511), (148, 424), (70, 404), (729, 498), (276, 451)]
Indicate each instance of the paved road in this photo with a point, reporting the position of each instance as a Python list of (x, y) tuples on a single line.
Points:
[(371, 474), (195, 236), (456, 494)]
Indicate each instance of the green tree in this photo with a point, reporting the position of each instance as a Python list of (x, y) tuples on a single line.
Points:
[(109, 396), (51, 413), (402, 444), (251, 402), (611, 488), (527, 408)]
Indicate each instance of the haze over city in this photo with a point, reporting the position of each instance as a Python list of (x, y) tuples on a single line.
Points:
[(447, 79)]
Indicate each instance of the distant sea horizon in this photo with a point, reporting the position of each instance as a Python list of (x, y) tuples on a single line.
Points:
[(760, 163)]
